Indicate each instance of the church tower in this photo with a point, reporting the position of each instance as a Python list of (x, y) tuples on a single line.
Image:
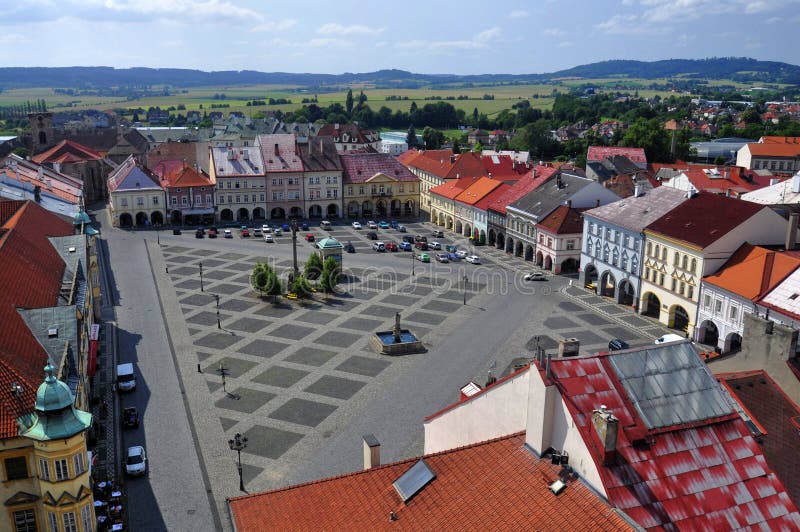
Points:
[(41, 131)]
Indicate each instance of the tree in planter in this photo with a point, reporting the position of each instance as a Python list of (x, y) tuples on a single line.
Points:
[(273, 287), (259, 279), (301, 287), (313, 267), (331, 275)]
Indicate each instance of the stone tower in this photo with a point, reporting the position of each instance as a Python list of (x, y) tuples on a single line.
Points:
[(42, 134)]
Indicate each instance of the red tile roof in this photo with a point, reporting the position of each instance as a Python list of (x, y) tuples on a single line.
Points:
[(356, 134), (66, 187), (478, 190), (774, 149), (30, 274), (452, 188), (598, 153), (173, 151), (287, 158), (562, 221), (720, 180), (527, 183), (699, 222), (773, 410), (495, 485), (503, 167), (361, 167), (445, 165), (753, 271), (66, 152), (708, 475), (185, 176)]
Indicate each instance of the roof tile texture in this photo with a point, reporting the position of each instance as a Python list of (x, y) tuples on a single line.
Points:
[(496, 485), (361, 167), (753, 271)]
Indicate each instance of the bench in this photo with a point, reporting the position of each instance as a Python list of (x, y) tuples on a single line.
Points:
[(291, 296)]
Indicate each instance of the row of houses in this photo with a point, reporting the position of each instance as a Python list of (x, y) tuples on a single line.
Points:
[(277, 178)]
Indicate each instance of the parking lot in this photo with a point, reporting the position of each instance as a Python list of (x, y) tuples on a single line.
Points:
[(300, 379)]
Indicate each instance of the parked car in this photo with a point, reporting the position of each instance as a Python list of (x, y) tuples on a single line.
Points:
[(227, 233), (372, 235), (617, 344), (402, 228), (379, 246), (310, 237), (266, 229), (277, 231), (286, 228), (409, 239), (669, 338), (405, 246), (421, 245), (394, 224), (424, 257), (136, 461), (356, 225), (434, 245), (256, 231), (199, 233), (438, 233), (420, 238), (473, 259), (130, 417), (535, 276), (383, 224), (391, 246), (176, 231), (372, 225), (443, 257), (304, 226), (245, 233), (269, 238), (461, 254), (325, 224), (454, 257), (349, 247), (212, 232)]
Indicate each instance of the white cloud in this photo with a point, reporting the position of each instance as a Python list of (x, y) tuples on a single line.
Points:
[(480, 41), (356, 29), (518, 13), (275, 25), (13, 38), (554, 32), (330, 43), (488, 35), (565, 44), (184, 8)]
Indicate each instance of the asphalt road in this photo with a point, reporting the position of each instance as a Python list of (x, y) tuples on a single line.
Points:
[(173, 495)]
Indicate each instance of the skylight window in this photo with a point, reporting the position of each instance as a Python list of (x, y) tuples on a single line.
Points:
[(412, 481), (794, 296)]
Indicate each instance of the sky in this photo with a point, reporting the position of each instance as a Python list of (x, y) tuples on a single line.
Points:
[(430, 37)]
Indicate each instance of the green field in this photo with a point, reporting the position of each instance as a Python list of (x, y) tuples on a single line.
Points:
[(236, 97)]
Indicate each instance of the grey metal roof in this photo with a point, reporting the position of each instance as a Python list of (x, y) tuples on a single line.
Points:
[(670, 385), (547, 197), (62, 318), (636, 213)]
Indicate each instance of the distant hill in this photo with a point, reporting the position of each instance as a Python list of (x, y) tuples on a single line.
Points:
[(737, 69)]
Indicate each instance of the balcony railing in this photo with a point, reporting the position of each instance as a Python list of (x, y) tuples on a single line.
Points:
[(386, 194)]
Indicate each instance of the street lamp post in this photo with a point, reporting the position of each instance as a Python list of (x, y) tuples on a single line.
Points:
[(158, 234), (238, 443), (294, 249), (201, 277), (216, 296), (465, 289), (413, 260)]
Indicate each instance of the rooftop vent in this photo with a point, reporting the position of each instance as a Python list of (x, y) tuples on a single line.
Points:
[(412, 481), (71, 249), (52, 332)]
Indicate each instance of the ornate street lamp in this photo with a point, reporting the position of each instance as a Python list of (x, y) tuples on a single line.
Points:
[(238, 443)]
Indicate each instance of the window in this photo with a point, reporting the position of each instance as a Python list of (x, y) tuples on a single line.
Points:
[(198, 200), (184, 201), (664, 253), (690, 292), (661, 279), (229, 184), (79, 464), (69, 522), (52, 519), (717, 306), (350, 191), (274, 181), (570, 244), (657, 251), (86, 518), (25, 521), (361, 190), (401, 188), (707, 301), (262, 196), (140, 201), (674, 284), (44, 469), (615, 257), (62, 471), (335, 192), (123, 202), (236, 185), (174, 201), (694, 265), (208, 199), (238, 198), (685, 262), (683, 287), (155, 200), (677, 259), (16, 468), (733, 313), (221, 199), (230, 198)]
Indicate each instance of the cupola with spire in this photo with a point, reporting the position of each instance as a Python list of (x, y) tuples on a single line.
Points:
[(55, 416)]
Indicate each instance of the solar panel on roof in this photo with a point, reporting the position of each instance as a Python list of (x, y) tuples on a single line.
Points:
[(413, 480)]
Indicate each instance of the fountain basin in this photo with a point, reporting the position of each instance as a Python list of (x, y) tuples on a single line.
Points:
[(384, 343)]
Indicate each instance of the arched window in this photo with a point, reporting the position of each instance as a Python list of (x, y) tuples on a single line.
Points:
[(42, 137), (649, 248), (658, 250), (597, 248), (685, 262), (694, 265), (664, 253)]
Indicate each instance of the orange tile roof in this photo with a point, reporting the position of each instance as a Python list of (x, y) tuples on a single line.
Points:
[(774, 149), (67, 151), (186, 176), (770, 139), (495, 485), (719, 180), (528, 183), (504, 167), (444, 164), (30, 274), (478, 190), (563, 220), (453, 187), (753, 271)]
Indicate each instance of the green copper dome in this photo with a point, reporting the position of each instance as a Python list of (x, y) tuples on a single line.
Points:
[(81, 218), (329, 243), (56, 416), (52, 394)]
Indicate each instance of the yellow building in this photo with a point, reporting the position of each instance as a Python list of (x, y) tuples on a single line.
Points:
[(45, 469), (376, 186), (693, 240), (136, 196)]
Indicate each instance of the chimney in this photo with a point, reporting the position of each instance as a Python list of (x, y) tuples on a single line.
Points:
[(597, 203), (37, 194), (796, 183), (321, 146), (372, 451), (773, 181), (728, 192), (791, 231), (40, 174), (569, 204), (607, 427), (558, 180), (336, 126), (452, 159), (277, 152), (637, 190)]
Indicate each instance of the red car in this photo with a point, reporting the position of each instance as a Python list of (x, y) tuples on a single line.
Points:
[(310, 237), (421, 245), (391, 246)]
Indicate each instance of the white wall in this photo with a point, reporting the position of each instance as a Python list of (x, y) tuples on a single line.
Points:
[(744, 158), (500, 411), (764, 228)]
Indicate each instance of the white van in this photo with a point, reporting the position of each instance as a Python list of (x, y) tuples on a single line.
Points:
[(325, 224), (669, 338), (126, 378)]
